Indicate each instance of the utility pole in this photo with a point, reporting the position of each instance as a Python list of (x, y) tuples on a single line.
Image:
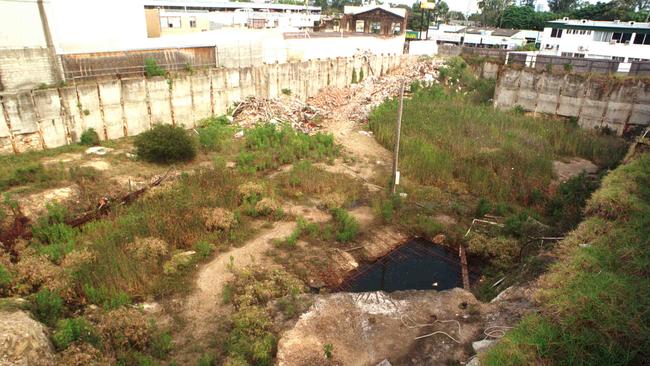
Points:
[(47, 34), (397, 135)]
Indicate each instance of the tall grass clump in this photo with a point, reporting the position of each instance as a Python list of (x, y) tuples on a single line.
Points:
[(502, 156), (174, 218), (268, 146), (595, 300), (214, 133), (165, 144)]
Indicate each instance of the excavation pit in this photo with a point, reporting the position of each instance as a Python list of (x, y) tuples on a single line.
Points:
[(416, 265)]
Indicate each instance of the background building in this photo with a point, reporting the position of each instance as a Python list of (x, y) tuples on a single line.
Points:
[(167, 17), (508, 39), (611, 40), (374, 19)]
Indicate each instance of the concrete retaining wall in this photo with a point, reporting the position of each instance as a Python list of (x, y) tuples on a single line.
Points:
[(26, 68), (597, 102), (40, 119)]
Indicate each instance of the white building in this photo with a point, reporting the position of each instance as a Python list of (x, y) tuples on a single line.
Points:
[(508, 39), (177, 17), (610, 40)]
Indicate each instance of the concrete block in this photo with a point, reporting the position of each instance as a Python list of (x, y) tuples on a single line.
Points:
[(527, 99), (550, 84), (24, 120), (90, 110), (640, 115), (547, 103), (6, 147), (48, 108), (569, 106), (54, 132), (110, 94), (136, 114), (526, 80), (4, 126), (158, 90), (591, 113), (182, 102), (73, 114), (201, 96), (505, 98)]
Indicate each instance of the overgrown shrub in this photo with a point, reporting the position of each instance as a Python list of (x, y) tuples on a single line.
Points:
[(53, 237), (106, 298), (503, 251), (218, 219), (347, 226), (252, 338), (89, 137), (72, 330), (565, 208), (269, 146), (204, 249), (149, 250), (124, 330), (151, 68), (5, 278), (48, 307), (165, 144), (214, 133)]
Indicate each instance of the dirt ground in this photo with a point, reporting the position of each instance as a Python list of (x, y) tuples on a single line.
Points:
[(367, 328)]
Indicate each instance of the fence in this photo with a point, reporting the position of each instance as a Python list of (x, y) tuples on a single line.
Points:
[(131, 63), (546, 62), (640, 69)]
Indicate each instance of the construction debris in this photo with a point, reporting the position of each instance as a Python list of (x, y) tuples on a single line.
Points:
[(306, 116), (255, 110)]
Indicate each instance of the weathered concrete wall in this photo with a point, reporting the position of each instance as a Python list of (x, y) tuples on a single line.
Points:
[(40, 119), (26, 68), (597, 102)]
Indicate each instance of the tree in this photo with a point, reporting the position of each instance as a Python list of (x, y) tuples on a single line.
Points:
[(562, 6), (492, 10), (455, 15), (441, 10), (525, 17)]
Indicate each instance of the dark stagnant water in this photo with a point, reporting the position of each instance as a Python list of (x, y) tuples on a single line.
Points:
[(416, 265)]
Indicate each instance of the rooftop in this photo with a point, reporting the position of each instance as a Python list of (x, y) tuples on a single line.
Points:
[(584, 23), (354, 10)]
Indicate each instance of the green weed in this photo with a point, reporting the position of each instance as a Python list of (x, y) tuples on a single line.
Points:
[(72, 330), (48, 307)]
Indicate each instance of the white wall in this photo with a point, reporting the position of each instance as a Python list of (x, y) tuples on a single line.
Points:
[(91, 24), (20, 25), (428, 48), (313, 48)]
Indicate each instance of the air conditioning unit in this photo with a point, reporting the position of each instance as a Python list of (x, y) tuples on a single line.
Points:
[(583, 48), (617, 21)]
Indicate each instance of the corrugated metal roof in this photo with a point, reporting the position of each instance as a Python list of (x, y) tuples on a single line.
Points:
[(226, 5)]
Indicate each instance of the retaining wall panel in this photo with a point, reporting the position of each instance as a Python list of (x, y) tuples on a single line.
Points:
[(134, 96), (568, 106), (89, 102), (72, 113), (158, 89), (201, 97), (110, 93), (182, 102)]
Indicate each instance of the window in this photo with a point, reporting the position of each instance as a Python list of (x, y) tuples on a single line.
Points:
[(192, 22), (642, 39), (621, 37), (618, 58), (556, 33), (636, 59), (602, 36), (170, 22)]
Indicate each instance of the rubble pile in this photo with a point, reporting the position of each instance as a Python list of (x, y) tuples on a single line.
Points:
[(302, 116), (363, 97)]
